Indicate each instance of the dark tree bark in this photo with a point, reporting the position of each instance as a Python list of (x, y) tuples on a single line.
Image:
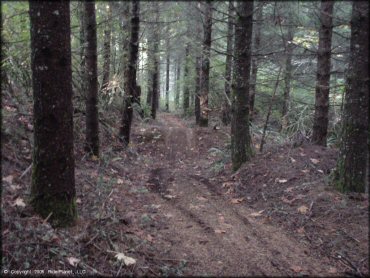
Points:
[(226, 117), (254, 71), (178, 75), (154, 77), (114, 62), (186, 80), (168, 79), (92, 119), (269, 111), (321, 119), (353, 163), (149, 94), (53, 182), (82, 17), (241, 149), (203, 121), (131, 88), (287, 75), (155, 86), (107, 52), (198, 66), (125, 35)]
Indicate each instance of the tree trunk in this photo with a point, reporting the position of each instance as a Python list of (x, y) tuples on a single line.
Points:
[(168, 79), (241, 149), (82, 17), (149, 82), (269, 111), (198, 67), (203, 121), (154, 63), (131, 88), (352, 165), (92, 120), (155, 87), (254, 71), (229, 50), (53, 182), (113, 52), (106, 52), (178, 75), (287, 75), (321, 119), (125, 36), (186, 80)]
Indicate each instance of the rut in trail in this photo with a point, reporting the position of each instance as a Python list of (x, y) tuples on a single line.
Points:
[(203, 228)]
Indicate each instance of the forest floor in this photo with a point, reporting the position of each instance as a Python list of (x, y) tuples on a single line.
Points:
[(172, 203)]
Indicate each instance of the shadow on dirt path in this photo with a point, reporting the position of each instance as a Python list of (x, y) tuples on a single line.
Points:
[(204, 228)]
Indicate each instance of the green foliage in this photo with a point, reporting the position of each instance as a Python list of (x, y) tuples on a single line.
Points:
[(300, 119), (223, 157), (15, 36), (177, 270)]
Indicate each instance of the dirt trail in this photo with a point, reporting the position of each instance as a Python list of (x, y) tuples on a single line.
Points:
[(204, 228)]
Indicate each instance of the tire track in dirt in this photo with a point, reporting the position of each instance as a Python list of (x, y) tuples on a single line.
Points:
[(219, 237)]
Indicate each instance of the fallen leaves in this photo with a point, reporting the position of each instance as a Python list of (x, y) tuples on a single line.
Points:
[(287, 201), (19, 202), (227, 184), (296, 268), (291, 201), (257, 214), (237, 200), (302, 209), (281, 180), (314, 161), (219, 231), (119, 181), (126, 260), (289, 189), (8, 179), (73, 261), (169, 197), (94, 158)]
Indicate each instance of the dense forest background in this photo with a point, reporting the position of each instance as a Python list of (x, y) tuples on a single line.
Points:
[(122, 119)]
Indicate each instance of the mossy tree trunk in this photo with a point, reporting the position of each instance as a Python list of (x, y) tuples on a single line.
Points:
[(229, 59), (168, 77), (321, 117), (178, 74), (92, 118), (288, 72), (53, 182), (154, 79), (82, 68), (352, 166), (107, 52), (150, 74), (198, 78), (254, 70), (207, 26), (241, 150), (132, 92), (186, 97), (124, 35)]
